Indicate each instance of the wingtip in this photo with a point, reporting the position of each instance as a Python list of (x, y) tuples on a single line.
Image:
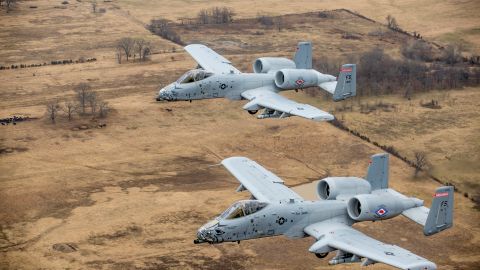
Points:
[(324, 118), (192, 45), (423, 266), (231, 159)]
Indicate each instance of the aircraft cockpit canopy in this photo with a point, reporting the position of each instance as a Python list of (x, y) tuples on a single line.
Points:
[(194, 75), (243, 208)]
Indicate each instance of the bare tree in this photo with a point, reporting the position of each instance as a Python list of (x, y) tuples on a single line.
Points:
[(147, 51), (103, 109), (452, 55), (215, 15), (139, 44), (420, 162), (127, 45), (94, 6), (83, 91), (52, 110), (279, 23), (392, 23), (9, 4), (118, 54), (203, 16), (142, 47), (92, 102), (69, 108)]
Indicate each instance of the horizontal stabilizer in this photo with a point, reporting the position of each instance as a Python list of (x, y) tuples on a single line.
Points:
[(328, 86), (346, 84), (417, 214)]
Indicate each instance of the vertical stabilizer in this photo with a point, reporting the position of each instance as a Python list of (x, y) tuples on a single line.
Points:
[(440, 216), (377, 173), (347, 83), (303, 55)]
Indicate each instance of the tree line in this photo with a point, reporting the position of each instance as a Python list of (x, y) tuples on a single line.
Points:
[(215, 15), (163, 28), (8, 4), (378, 73), (53, 62), (85, 103)]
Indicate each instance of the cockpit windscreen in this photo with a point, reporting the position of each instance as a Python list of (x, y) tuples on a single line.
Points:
[(194, 75), (243, 208)]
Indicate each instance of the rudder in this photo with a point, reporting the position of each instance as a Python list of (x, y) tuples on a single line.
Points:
[(440, 216), (303, 55), (377, 174), (347, 83)]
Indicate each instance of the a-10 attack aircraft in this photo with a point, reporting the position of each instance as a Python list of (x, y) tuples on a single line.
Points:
[(216, 77), (274, 209)]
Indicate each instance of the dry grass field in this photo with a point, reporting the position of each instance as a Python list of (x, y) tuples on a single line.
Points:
[(449, 20), (132, 194), (448, 135), (249, 36)]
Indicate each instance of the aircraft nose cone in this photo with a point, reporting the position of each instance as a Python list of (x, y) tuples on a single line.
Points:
[(203, 235), (206, 233), (164, 94)]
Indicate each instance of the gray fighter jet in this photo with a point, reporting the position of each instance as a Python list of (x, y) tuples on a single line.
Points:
[(216, 77), (274, 209)]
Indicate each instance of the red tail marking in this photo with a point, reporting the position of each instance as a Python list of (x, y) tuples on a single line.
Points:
[(443, 194)]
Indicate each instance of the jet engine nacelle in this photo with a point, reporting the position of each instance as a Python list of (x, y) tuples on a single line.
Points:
[(297, 78), (332, 187), (371, 207), (267, 64)]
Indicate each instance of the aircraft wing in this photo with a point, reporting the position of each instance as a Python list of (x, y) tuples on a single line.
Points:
[(266, 98), (342, 237), (210, 60), (263, 184)]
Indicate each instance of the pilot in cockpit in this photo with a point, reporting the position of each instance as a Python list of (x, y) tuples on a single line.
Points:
[(194, 75), (243, 208)]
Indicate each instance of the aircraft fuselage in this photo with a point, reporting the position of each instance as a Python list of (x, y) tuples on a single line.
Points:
[(283, 218), (217, 86)]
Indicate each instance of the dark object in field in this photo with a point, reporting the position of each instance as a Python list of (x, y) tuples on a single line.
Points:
[(13, 120), (65, 247), (431, 104)]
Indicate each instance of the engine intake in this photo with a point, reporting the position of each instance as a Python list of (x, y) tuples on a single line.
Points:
[(331, 188), (371, 207), (270, 64)]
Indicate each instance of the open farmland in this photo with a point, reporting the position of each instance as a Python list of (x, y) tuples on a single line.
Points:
[(129, 191)]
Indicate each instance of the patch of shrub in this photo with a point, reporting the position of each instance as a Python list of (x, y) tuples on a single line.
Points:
[(215, 15), (163, 28), (265, 20)]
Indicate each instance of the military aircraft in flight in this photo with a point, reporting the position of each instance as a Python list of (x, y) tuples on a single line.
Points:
[(274, 209), (216, 77)]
